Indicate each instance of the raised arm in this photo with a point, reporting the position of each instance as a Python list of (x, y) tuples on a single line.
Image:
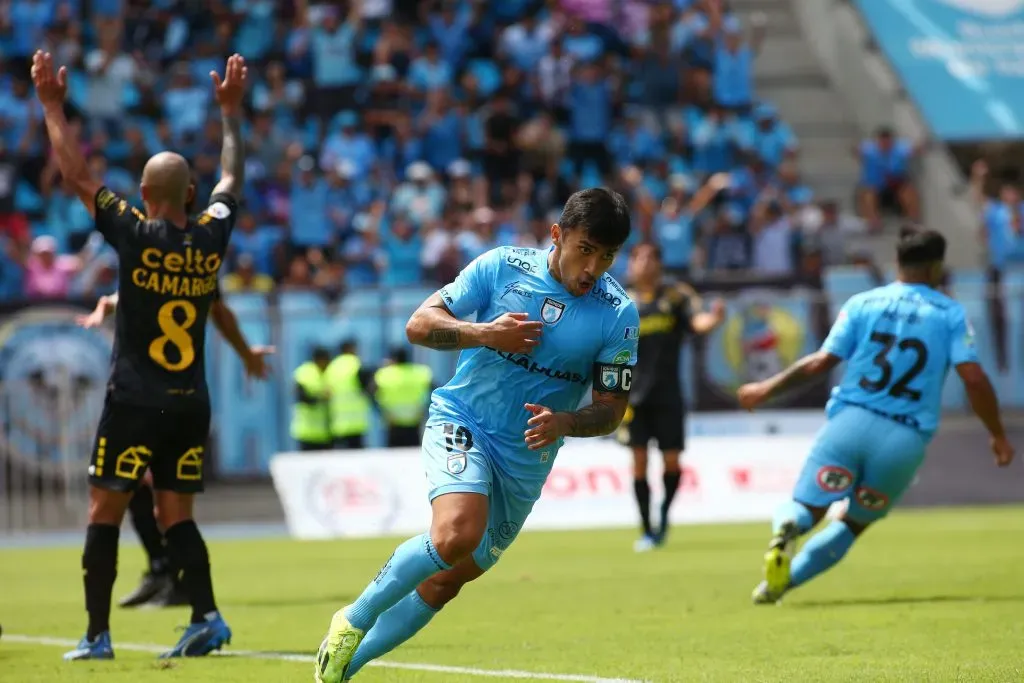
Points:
[(229, 94), (51, 89)]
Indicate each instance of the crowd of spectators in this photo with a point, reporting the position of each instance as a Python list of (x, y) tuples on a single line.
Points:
[(392, 141)]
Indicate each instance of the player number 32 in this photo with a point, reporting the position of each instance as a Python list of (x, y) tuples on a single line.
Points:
[(175, 318)]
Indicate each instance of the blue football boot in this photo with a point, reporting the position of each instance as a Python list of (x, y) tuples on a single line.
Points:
[(202, 638), (99, 647)]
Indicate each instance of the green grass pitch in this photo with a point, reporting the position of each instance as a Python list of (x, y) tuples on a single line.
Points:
[(926, 596)]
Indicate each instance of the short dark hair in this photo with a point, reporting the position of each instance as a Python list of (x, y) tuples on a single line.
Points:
[(349, 346), (320, 353), (920, 247), (400, 355), (602, 213)]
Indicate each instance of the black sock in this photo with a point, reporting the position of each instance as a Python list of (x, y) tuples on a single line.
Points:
[(643, 500), (671, 481), (188, 551), (144, 521), (99, 569)]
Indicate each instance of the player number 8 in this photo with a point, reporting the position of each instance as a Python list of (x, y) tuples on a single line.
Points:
[(175, 334)]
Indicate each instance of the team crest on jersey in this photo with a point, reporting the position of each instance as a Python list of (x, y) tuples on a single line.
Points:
[(609, 378), (551, 312), (457, 463)]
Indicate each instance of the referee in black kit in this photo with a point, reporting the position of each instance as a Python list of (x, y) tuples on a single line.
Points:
[(669, 313)]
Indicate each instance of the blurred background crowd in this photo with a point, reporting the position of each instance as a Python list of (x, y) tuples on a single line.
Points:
[(392, 141)]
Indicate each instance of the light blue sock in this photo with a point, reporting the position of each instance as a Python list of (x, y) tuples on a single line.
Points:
[(412, 562), (394, 627), (820, 553), (792, 511)]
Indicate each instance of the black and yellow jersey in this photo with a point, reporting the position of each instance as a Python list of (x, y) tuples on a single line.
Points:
[(167, 282), (664, 325)]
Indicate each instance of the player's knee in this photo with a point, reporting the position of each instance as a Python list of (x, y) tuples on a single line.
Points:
[(671, 459), (172, 508), (456, 536), (107, 507)]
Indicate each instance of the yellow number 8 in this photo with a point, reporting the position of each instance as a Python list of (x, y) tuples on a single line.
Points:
[(174, 333)]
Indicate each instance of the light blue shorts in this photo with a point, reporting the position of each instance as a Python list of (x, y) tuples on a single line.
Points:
[(456, 462), (862, 456)]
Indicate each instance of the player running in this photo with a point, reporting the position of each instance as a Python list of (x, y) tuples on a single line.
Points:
[(669, 314), (899, 341), (549, 323), (161, 585), (157, 410)]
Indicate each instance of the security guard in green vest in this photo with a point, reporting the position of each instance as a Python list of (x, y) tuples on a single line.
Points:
[(403, 394), (310, 422), (351, 390)]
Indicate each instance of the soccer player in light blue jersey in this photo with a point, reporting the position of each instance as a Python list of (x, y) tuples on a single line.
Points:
[(899, 342), (549, 324)]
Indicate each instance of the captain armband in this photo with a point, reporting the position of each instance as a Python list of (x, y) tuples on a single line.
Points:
[(613, 379)]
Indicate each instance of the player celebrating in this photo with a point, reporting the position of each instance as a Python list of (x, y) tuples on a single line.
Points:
[(668, 314), (899, 341), (550, 322), (157, 412), (161, 586)]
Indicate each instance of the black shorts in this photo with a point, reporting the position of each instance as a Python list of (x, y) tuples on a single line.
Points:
[(661, 420), (131, 439)]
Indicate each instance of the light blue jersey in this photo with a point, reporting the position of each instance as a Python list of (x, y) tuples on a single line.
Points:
[(899, 342), (474, 440)]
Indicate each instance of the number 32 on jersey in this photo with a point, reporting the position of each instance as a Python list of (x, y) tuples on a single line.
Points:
[(175, 319)]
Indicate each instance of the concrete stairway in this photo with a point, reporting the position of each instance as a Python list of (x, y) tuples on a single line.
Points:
[(789, 75)]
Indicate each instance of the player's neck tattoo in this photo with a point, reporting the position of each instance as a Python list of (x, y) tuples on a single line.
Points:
[(597, 419)]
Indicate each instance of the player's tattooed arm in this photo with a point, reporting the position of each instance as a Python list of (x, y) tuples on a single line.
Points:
[(804, 371), (229, 93), (433, 325), (601, 417), (232, 156)]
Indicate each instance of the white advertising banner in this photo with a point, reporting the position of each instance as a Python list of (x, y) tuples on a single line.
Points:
[(377, 492)]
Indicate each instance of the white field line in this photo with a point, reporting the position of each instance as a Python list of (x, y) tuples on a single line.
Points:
[(308, 659)]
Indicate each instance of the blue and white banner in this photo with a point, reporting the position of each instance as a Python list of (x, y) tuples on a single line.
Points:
[(961, 61)]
